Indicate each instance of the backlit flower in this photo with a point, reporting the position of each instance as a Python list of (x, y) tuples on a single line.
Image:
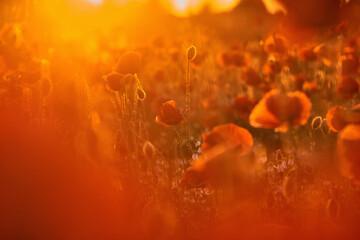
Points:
[(169, 114), (279, 111), (129, 62), (349, 152), (229, 136), (338, 117)]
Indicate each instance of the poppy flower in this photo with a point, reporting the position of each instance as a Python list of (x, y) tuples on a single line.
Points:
[(251, 77), (323, 53), (338, 117), (243, 105), (218, 168), (170, 114), (299, 80), (233, 59), (224, 59), (310, 87), (279, 111), (272, 66), (275, 44), (349, 152), (347, 87), (349, 64), (229, 136), (129, 62), (239, 60), (307, 54), (115, 82)]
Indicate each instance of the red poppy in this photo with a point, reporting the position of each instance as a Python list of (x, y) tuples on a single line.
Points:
[(307, 54), (224, 59), (129, 62), (349, 152), (272, 66), (219, 167), (349, 64), (310, 87), (233, 59), (115, 82), (170, 114), (279, 111), (275, 43), (251, 77), (243, 105), (338, 117), (347, 87), (299, 80), (229, 136)]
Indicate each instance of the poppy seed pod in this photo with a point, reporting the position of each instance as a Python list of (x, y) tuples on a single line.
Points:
[(140, 94), (275, 43), (316, 123), (191, 53)]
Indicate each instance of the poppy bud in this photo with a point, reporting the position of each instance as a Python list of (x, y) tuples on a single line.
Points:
[(338, 117), (149, 150), (140, 94), (191, 53), (316, 123)]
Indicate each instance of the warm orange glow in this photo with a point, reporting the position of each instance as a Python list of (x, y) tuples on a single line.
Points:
[(189, 7), (179, 119)]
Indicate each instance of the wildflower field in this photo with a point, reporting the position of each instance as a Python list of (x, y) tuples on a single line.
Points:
[(165, 119)]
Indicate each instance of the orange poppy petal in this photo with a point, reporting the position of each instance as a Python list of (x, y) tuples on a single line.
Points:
[(335, 118), (260, 117)]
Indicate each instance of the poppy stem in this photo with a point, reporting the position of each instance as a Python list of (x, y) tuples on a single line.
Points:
[(178, 144), (187, 106)]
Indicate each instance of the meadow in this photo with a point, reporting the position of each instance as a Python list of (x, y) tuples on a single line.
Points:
[(130, 122)]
